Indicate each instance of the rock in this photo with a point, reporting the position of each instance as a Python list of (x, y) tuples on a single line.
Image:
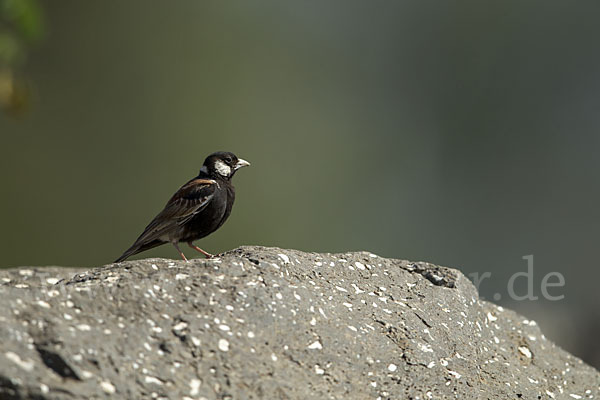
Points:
[(267, 323)]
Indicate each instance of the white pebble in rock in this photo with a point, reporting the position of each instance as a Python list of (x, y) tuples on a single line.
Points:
[(107, 387), (223, 345), (315, 345)]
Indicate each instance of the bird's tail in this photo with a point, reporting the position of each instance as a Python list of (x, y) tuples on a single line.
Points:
[(137, 248)]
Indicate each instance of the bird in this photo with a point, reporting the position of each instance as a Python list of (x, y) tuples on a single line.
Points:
[(196, 210)]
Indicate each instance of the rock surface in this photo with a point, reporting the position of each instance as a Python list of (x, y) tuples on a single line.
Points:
[(267, 323)]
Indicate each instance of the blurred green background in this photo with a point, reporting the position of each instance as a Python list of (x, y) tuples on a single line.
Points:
[(460, 133)]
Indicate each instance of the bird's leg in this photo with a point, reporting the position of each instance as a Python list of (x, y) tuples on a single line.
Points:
[(206, 254), (179, 250)]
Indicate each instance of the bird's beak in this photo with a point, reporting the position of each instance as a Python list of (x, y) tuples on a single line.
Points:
[(241, 163)]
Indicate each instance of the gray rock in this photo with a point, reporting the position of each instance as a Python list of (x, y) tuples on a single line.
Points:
[(267, 323)]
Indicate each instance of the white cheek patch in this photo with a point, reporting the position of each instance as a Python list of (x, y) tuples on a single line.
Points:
[(222, 168)]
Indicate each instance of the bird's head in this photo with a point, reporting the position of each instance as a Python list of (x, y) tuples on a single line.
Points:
[(222, 164)]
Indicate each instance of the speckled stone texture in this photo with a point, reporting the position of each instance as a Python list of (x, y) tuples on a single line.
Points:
[(267, 323)]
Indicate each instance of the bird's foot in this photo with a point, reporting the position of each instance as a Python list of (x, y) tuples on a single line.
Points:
[(216, 255)]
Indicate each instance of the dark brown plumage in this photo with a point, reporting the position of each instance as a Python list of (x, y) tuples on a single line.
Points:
[(196, 210)]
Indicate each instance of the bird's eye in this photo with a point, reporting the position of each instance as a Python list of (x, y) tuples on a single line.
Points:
[(228, 160)]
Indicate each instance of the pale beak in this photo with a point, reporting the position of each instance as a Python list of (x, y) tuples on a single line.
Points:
[(241, 163)]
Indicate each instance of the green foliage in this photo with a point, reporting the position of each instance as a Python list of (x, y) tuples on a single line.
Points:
[(25, 16), (20, 26)]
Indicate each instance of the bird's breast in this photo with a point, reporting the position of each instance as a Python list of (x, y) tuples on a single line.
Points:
[(213, 216)]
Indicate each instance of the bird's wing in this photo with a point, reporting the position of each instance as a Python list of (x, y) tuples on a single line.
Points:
[(188, 201)]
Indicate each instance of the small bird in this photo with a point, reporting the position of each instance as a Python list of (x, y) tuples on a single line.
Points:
[(196, 210)]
